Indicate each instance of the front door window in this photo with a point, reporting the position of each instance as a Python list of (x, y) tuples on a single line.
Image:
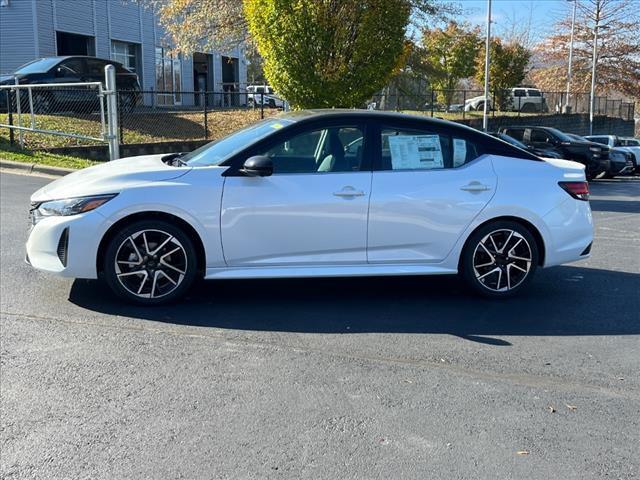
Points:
[(328, 150)]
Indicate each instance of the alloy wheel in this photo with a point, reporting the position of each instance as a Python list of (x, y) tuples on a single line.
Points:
[(502, 260), (150, 263)]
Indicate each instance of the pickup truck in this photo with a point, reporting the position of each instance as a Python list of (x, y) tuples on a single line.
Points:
[(594, 156), (521, 99)]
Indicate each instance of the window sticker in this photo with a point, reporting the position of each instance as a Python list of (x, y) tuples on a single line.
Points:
[(411, 152), (459, 152)]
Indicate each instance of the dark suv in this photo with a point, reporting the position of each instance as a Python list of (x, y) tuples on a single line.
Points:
[(52, 70), (593, 156)]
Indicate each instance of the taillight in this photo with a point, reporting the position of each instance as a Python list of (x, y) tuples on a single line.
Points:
[(578, 190)]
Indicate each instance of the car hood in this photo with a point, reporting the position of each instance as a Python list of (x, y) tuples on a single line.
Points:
[(7, 80), (110, 177)]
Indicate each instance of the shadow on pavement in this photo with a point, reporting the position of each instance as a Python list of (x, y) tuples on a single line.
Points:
[(560, 301), (618, 206)]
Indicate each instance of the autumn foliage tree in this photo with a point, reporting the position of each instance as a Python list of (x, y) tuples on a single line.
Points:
[(507, 67), (618, 60), (328, 53), (450, 54)]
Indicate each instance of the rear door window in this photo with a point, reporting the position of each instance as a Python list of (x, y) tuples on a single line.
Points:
[(423, 149), (517, 133), (540, 136)]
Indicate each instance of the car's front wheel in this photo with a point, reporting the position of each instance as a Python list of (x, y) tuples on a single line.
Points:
[(150, 262), (499, 259)]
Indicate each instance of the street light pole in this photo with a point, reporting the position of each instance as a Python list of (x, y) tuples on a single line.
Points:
[(593, 75), (485, 117), (573, 26)]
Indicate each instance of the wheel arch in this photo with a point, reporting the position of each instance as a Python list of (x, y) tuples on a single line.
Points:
[(525, 223), (152, 215)]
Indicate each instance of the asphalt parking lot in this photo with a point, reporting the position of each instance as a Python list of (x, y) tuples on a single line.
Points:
[(328, 378)]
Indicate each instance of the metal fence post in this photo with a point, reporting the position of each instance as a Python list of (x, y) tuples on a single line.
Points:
[(112, 112), (464, 103), (206, 123), (120, 122), (262, 105), (10, 119), (432, 100), (19, 110)]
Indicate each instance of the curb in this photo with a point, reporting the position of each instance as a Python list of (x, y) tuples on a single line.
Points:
[(36, 168)]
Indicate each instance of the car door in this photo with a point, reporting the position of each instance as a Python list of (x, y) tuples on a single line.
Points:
[(71, 70), (311, 211), (427, 187), (540, 138)]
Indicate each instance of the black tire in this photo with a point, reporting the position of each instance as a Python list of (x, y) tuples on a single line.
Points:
[(507, 278), (121, 262), (480, 107), (529, 108)]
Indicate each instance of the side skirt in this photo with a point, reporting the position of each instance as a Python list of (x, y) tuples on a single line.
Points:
[(325, 271)]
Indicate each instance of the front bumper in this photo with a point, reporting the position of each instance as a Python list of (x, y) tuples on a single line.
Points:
[(47, 248)]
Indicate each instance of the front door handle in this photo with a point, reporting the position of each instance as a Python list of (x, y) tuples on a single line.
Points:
[(349, 192), (475, 187)]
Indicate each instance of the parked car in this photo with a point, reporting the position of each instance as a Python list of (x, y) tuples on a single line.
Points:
[(518, 99), (259, 94), (592, 155), (541, 152), (629, 145), (285, 198), (621, 162), (76, 69)]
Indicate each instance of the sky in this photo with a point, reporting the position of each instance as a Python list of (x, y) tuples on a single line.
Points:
[(542, 14)]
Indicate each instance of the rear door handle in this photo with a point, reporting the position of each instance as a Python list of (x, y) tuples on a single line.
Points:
[(349, 192), (475, 187)]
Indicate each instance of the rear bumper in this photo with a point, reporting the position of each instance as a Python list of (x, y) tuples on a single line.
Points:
[(570, 232)]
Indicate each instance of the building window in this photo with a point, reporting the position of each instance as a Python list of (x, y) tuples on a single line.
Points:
[(126, 54), (168, 77)]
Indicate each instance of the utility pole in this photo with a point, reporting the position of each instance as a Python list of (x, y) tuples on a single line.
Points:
[(567, 108), (594, 61), (485, 118)]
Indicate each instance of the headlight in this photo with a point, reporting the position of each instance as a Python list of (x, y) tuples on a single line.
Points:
[(595, 149), (68, 206)]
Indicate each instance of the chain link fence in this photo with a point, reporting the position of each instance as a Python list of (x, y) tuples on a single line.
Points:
[(38, 116), (461, 104), (155, 117), (143, 116)]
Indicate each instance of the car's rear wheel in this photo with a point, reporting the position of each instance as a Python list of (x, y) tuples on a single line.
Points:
[(150, 262), (499, 259)]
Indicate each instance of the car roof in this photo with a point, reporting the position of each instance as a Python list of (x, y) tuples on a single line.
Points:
[(525, 126), (66, 57), (329, 113)]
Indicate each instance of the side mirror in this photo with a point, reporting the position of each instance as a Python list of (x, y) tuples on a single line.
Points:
[(257, 166)]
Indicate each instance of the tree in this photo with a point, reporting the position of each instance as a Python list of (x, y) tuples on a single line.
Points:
[(618, 60), (450, 55), (507, 67), (329, 53), (201, 25)]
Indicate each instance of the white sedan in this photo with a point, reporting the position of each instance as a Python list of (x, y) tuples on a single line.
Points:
[(316, 194)]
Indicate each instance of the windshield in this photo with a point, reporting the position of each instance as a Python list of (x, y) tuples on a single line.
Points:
[(563, 137), (42, 65), (512, 141), (218, 151)]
